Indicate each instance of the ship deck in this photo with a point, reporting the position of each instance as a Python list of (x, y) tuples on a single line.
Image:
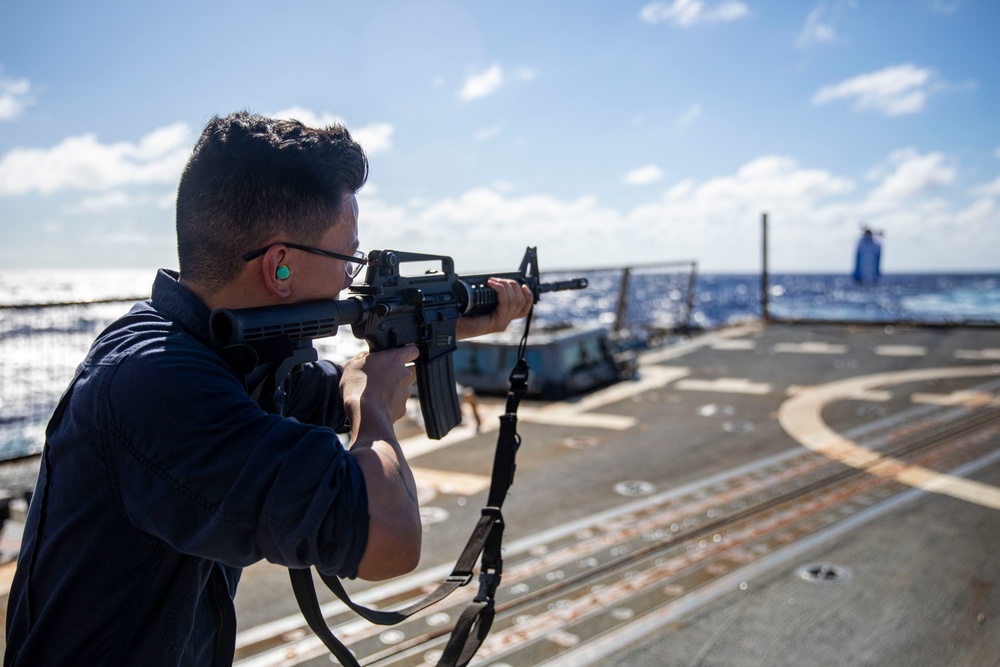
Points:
[(763, 494)]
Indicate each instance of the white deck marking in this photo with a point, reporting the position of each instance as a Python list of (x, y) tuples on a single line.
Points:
[(562, 413), (901, 350), (726, 385), (704, 340), (420, 444), (810, 347), (574, 412), (986, 354), (970, 399), (451, 482), (735, 344), (878, 396), (583, 420), (801, 417), (7, 576)]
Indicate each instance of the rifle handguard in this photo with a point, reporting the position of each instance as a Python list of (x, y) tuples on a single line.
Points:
[(389, 310)]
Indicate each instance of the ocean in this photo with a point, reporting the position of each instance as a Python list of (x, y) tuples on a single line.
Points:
[(41, 346)]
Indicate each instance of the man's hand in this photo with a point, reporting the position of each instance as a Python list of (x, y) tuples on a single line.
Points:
[(374, 383), (513, 301)]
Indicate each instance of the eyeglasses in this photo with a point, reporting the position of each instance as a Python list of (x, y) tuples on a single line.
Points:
[(352, 263)]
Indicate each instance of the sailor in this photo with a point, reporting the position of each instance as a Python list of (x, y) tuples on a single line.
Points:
[(161, 478), (867, 258)]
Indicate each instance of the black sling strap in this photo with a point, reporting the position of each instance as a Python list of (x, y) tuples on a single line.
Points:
[(475, 621)]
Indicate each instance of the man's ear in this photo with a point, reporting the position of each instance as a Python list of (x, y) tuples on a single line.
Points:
[(277, 274)]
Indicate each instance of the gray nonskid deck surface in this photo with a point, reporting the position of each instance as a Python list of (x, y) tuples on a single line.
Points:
[(919, 587), (918, 580), (735, 415)]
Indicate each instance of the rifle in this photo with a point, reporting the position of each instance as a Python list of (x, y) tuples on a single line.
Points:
[(389, 310)]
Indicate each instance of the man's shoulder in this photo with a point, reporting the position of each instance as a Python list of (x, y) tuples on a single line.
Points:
[(142, 332)]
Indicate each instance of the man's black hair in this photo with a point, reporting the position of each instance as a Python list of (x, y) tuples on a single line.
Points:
[(252, 178)]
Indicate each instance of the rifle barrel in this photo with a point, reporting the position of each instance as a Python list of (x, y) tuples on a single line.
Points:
[(560, 285)]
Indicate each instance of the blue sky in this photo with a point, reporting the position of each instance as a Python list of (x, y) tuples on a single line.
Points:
[(603, 132)]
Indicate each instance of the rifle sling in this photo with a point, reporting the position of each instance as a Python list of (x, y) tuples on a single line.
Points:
[(475, 621)]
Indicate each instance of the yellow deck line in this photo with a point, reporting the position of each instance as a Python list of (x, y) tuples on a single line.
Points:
[(801, 417)]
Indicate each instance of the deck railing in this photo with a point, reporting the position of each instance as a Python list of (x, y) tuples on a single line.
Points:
[(40, 347), (637, 302), (42, 344)]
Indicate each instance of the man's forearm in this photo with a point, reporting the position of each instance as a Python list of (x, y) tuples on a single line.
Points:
[(394, 534)]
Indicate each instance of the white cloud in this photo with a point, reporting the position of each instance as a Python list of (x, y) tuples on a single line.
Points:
[(490, 80), (309, 118), (892, 91), (991, 189), (688, 13), (132, 238), (105, 202), (83, 163), (482, 84), (15, 96), (525, 74), (908, 174), (488, 133), (119, 199), (946, 6), (691, 220), (996, 153), (770, 182), (816, 28), (487, 226), (643, 175), (814, 212), (689, 116), (374, 138), (167, 201), (814, 216)]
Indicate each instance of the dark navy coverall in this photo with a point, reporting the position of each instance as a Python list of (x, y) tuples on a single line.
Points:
[(161, 479)]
